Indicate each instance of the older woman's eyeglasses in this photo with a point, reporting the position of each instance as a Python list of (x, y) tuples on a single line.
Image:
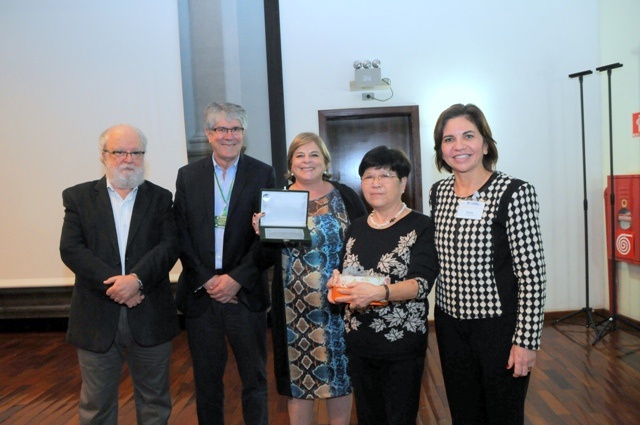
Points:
[(124, 154), (380, 178), (224, 130)]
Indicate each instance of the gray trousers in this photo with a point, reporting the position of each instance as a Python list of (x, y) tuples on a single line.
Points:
[(149, 367)]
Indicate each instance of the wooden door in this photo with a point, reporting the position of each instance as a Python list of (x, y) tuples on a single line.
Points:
[(350, 133)]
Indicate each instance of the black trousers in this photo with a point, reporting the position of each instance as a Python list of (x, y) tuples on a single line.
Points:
[(246, 332), (386, 391), (474, 355)]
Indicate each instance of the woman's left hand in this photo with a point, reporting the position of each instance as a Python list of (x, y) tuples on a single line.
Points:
[(362, 294), (521, 360)]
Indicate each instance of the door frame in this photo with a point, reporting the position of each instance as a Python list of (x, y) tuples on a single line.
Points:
[(330, 120)]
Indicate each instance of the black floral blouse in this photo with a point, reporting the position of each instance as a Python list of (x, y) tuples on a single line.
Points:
[(403, 251)]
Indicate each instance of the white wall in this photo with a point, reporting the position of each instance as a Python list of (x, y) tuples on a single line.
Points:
[(620, 42), (68, 70), (511, 59)]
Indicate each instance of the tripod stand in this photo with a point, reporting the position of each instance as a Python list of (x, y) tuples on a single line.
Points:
[(610, 323), (586, 309)]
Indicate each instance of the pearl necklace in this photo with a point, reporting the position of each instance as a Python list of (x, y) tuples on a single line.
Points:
[(388, 222)]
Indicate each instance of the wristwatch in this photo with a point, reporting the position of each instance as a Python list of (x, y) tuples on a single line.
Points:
[(140, 285)]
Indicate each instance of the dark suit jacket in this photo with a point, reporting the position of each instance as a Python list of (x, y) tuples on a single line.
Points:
[(89, 247), (194, 209)]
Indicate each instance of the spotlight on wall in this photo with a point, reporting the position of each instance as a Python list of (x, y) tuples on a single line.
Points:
[(367, 76)]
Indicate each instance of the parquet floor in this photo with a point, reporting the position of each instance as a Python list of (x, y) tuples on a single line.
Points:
[(574, 382)]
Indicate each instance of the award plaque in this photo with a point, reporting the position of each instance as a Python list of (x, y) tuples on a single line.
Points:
[(286, 213)]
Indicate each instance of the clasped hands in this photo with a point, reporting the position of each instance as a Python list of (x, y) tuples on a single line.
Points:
[(356, 294), (124, 290), (222, 288)]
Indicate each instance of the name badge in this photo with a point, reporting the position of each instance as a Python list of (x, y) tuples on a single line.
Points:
[(220, 220), (470, 209)]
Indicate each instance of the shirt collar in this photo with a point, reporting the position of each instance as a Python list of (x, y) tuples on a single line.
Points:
[(232, 166)]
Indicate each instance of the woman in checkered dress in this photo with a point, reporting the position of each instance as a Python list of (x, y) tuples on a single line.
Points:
[(490, 292)]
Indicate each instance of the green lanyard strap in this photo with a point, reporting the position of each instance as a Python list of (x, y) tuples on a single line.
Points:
[(224, 198)]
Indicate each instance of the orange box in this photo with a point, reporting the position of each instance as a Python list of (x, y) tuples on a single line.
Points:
[(335, 293), (373, 280)]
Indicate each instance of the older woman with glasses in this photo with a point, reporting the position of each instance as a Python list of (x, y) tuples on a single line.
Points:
[(390, 262)]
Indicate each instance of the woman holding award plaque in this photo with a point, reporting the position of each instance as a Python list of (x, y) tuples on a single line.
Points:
[(388, 267), (310, 361)]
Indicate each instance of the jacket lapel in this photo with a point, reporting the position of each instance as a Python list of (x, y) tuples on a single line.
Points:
[(140, 208), (104, 211), (206, 185), (242, 177)]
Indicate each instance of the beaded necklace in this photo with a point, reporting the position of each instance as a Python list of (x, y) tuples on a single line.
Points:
[(388, 222)]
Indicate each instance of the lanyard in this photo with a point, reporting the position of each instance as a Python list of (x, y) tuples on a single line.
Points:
[(224, 198)]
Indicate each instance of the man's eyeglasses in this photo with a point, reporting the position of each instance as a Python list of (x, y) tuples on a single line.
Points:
[(224, 130), (381, 178), (123, 154)]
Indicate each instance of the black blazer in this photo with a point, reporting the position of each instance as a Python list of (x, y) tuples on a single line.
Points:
[(89, 247), (194, 209)]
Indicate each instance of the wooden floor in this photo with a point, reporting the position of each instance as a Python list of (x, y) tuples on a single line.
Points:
[(574, 382)]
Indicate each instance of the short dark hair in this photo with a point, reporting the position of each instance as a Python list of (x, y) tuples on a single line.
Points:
[(474, 115), (386, 157)]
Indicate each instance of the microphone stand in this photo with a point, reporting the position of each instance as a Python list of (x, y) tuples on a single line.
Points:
[(611, 321), (588, 310)]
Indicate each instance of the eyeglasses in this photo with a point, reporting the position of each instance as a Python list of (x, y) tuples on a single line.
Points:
[(123, 154), (224, 130), (381, 178)]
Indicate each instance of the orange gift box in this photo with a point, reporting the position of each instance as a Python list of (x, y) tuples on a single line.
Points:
[(374, 280)]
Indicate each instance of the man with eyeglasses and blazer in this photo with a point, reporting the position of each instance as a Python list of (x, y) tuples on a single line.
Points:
[(222, 293), (120, 239)]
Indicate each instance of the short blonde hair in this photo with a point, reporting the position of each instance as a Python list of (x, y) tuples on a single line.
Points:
[(301, 140)]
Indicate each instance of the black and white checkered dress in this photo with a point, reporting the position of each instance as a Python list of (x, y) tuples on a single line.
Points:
[(494, 265)]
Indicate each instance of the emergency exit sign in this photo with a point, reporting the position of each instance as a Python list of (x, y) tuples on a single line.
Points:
[(635, 124)]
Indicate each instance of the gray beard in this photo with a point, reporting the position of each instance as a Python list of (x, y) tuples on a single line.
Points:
[(125, 179)]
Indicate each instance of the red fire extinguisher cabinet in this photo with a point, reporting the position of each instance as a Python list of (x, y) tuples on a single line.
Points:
[(626, 212)]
